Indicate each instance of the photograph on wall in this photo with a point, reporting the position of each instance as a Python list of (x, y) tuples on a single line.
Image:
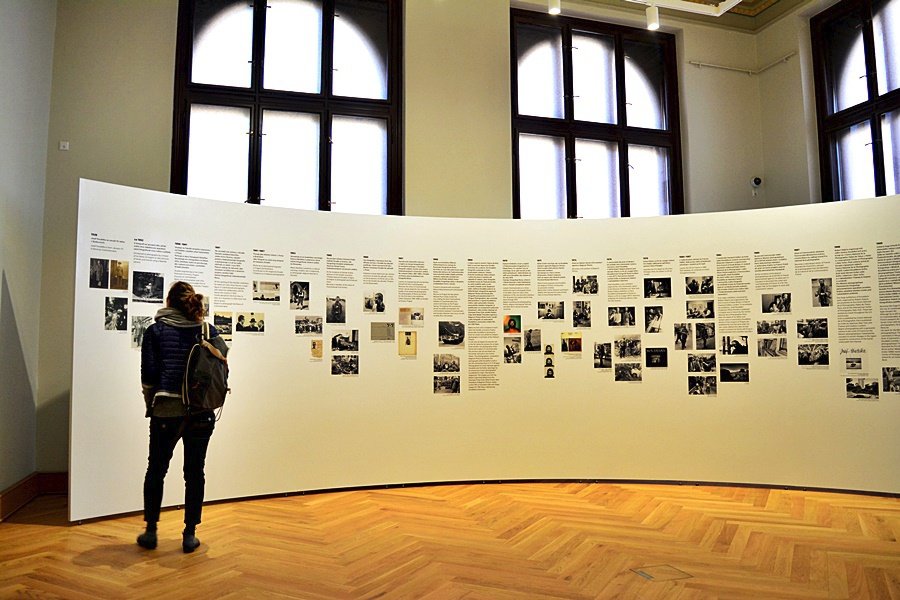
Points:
[(627, 346), (316, 346), (548, 350), (684, 336), (345, 341), (706, 336), (512, 324), (512, 349), (116, 314), (407, 343), (382, 332), (698, 285), (776, 303), (446, 384), (99, 273), (734, 344), (118, 274), (657, 287), (585, 284), (812, 355), (734, 372), (551, 310), (656, 358), (821, 292), (890, 379), (335, 309), (412, 316), (772, 347), (446, 363), (548, 361), (549, 372), (138, 326), (267, 291), (653, 316), (223, 322), (299, 295), (250, 322), (570, 342), (812, 328), (862, 388), (532, 340), (308, 325), (148, 287), (345, 364), (700, 309), (701, 385), (621, 316), (628, 372), (581, 313), (602, 355), (373, 302), (776, 327), (702, 363), (452, 333)]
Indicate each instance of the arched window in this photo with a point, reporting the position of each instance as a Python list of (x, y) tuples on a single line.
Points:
[(292, 103), (595, 120)]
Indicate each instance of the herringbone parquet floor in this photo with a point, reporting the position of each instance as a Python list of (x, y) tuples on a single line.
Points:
[(493, 541)]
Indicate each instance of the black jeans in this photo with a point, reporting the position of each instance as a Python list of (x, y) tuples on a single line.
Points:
[(164, 435)]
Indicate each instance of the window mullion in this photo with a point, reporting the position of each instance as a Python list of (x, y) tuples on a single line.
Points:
[(569, 117), (878, 157), (624, 181), (325, 161)]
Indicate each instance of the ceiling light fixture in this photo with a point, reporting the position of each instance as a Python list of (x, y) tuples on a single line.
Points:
[(652, 17), (554, 7), (711, 10)]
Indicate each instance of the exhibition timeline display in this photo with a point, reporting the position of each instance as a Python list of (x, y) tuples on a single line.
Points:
[(758, 347)]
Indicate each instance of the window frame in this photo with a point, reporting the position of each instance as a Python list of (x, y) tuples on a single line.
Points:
[(623, 135), (258, 99)]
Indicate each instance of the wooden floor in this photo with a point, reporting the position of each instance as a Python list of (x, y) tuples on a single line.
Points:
[(494, 541)]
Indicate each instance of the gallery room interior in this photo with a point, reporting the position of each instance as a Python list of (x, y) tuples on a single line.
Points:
[(527, 347)]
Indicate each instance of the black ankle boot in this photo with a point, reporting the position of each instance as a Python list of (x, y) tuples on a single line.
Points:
[(147, 539), (189, 541)]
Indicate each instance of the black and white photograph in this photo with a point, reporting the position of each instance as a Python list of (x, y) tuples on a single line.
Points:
[(382, 332), (345, 364), (657, 287), (373, 302), (267, 291), (701, 385), (308, 325), (407, 343), (316, 348), (812, 328), (702, 363), (570, 342), (627, 346), (250, 322), (698, 285), (345, 341), (335, 309), (99, 273), (812, 355), (549, 373), (138, 326), (602, 355), (532, 339), (581, 313), (628, 372), (684, 336), (116, 314), (853, 363), (147, 287), (512, 323), (512, 349), (734, 372), (548, 361), (776, 327), (700, 309), (862, 388), (706, 336), (656, 358), (551, 310), (776, 303), (118, 274), (446, 384), (735, 344), (299, 295), (452, 333), (412, 316), (821, 292), (446, 363), (890, 379), (224, 324), (772, 347), (621, 316), (653, 319), (585, 284)]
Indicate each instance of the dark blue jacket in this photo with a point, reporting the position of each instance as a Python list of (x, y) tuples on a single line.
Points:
[(164, 354)]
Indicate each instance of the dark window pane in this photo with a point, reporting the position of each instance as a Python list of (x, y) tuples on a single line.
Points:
[(293, 45), (360, 49), (847, 80), (886, 26), (644, 85), (223, 40), (540, 71)]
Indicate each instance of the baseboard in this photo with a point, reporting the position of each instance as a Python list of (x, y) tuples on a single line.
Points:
[(19, 494)]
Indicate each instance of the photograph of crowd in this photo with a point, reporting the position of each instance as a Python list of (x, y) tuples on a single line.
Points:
[(657, 287), (118, 274), (862, 388), (772, 327), (698, 284), (451, 333), (706, 336), (570, 341), (581, 313), (772, 347), (821, 292), (99, 273), (373, 302), (700, 309), (731, 372), (267, 291), (311, 325), (222, 320), (345, 364), (684, 336), (812, 328), (656, 357), (252, 322), (512, 349), (628, 346), (701, 385), (702, 363), (116, 315), (382, 332), (148, 287), (532, 340), (335, 309), (734, 345), (812, 355), (551, 310), (512, 324), (345, 341), (621, 316), (407, 343), (585, 284), (299, 295), (653, 319), (776, 303), (627, 372), (138, 326), (602, 355), (446, 363), (412, 316), (890, 379), (446, 384)]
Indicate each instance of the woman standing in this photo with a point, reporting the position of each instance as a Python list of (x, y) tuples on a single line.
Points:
[(164, 351)]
